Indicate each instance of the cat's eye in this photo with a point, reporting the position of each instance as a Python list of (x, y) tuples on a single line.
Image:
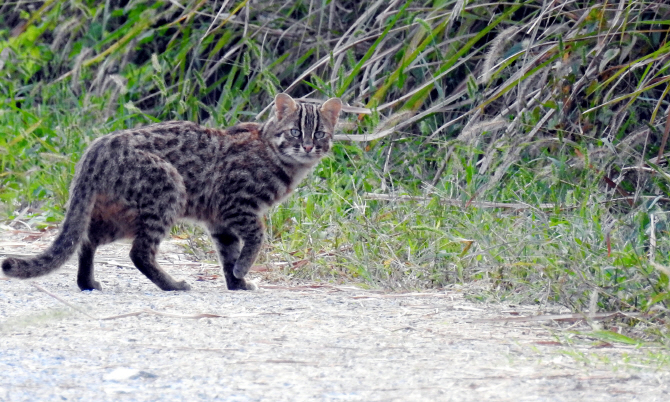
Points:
[(295, 133), (319, 134)]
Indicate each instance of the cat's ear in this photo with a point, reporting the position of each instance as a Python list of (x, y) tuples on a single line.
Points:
[(331, 110), (284, 106)]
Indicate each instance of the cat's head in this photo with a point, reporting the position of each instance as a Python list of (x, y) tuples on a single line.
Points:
[(302, 131)]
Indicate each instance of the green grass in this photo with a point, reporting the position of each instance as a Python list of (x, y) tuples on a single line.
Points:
[(470, 103)]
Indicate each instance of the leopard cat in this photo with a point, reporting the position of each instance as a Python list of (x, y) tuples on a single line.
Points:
[(138, 183)]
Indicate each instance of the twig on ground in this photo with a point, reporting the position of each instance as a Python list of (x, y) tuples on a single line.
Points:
[(187, 316), (41, 289), (562, 317)]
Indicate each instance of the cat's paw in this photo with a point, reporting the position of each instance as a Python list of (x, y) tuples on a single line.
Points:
[(249, 285), (92, 285), (242, 284), (182, 285), (178, 286), (240, 270)]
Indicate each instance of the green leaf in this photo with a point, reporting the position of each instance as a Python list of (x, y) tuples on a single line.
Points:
[(609, 336), (371, 50), (661, 296)]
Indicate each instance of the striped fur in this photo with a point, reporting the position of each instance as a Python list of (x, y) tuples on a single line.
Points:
[(138, 183)]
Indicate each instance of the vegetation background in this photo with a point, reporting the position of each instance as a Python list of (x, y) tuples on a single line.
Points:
[(518, 147)]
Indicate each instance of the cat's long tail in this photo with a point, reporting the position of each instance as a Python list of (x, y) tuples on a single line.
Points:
[(71, 234)]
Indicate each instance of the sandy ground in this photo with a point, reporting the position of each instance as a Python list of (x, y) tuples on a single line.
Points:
[(292, 342)]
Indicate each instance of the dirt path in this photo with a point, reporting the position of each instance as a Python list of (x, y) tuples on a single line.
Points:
[(290, 343)]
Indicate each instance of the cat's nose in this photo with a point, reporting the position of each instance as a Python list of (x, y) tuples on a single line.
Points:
[(308, 148)]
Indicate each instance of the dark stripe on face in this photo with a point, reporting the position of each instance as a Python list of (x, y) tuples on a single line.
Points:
[(301, 122), (310, 122), (318, 120)]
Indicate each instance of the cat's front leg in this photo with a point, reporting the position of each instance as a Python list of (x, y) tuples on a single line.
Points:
[(252, 236), (228, 245), (245, 228)]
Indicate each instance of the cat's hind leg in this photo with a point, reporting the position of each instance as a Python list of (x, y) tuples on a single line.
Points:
[(143, 255), (104, 228), (160, 200), (85, 277)]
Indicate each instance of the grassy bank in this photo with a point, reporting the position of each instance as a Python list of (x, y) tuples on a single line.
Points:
[(519, 146)]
